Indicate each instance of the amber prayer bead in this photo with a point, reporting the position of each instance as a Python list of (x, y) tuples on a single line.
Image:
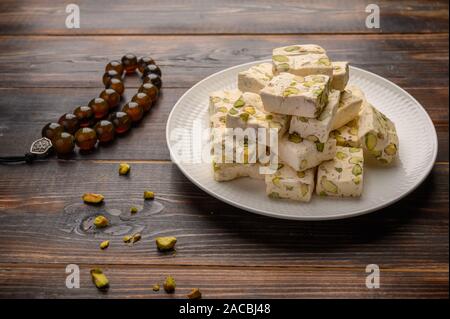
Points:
[(121, 121), (129, 62), (105, 131), (86, 138), (116, 85), (111, 97), (151, 90), (143, 62), (99, 107), (69, 122), (64, 143), (116, 66), (134, 111), (52, 130), (154, 79), (143, 100), (85, 115), (151, 68)]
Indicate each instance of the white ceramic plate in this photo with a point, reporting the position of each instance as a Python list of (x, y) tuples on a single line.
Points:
[(382, 186)]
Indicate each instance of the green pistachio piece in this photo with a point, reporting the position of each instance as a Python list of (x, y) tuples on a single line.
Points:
[(276, 181), (99, 278), (244, 117), (371, 141), (312, 138), (222, 109), (280, 58), (290, 91), (357, 179), (329, 186), (341, 155), (269, 117), (391, 149), (355, 160), (250, 110), (292, 48), (215, 99), (357, 170), (283, 67), (301, 174), (233, 111), (304, 189), (338, 169), (239, 103), (295, 138), (274, 195), (320, 147), (302, 119), (354, 150)]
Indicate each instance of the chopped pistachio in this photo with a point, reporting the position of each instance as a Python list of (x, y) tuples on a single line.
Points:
[(371, 141), (149, 195), (169, 284), (329, 186), (133, 210), (99, 278), (104, 244), (280, 58), (156, 287), (127, 239), (91, 198), (124, 168), (295, 138), (341, 155), (301, 174), (195, 294), (355, 160), (391, 149), (166, 243), (320, 147), (101, 221), (357, 170), (131, 239), (239, 103), (304, 189), (274, 195)]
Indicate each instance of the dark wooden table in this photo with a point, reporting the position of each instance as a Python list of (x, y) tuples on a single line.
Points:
[(47, 70)]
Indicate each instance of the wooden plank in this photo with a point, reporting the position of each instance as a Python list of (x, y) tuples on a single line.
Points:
[(43, 61), (48, 281), (42, 216), (23, 116), (214, 16)]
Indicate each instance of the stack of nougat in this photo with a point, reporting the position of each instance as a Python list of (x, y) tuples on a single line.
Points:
[(326, 128)]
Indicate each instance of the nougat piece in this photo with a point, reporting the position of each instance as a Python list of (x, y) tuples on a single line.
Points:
[(349, 108), (347, 135), (248, 112), (340, 75), (224, 172), (343, 175), (221, 101), (377, 135), (240, 163), (303, 60), (255, 78), (317, 129), (296, 95), (302, 154), (290, 184)]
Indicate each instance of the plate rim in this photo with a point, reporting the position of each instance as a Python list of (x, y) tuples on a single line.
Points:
[(303, 218)]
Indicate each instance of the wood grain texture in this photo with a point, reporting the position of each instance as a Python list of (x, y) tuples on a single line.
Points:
[(47, 205), (215, 16), (62, 61), (22, 117), (48, 281)]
